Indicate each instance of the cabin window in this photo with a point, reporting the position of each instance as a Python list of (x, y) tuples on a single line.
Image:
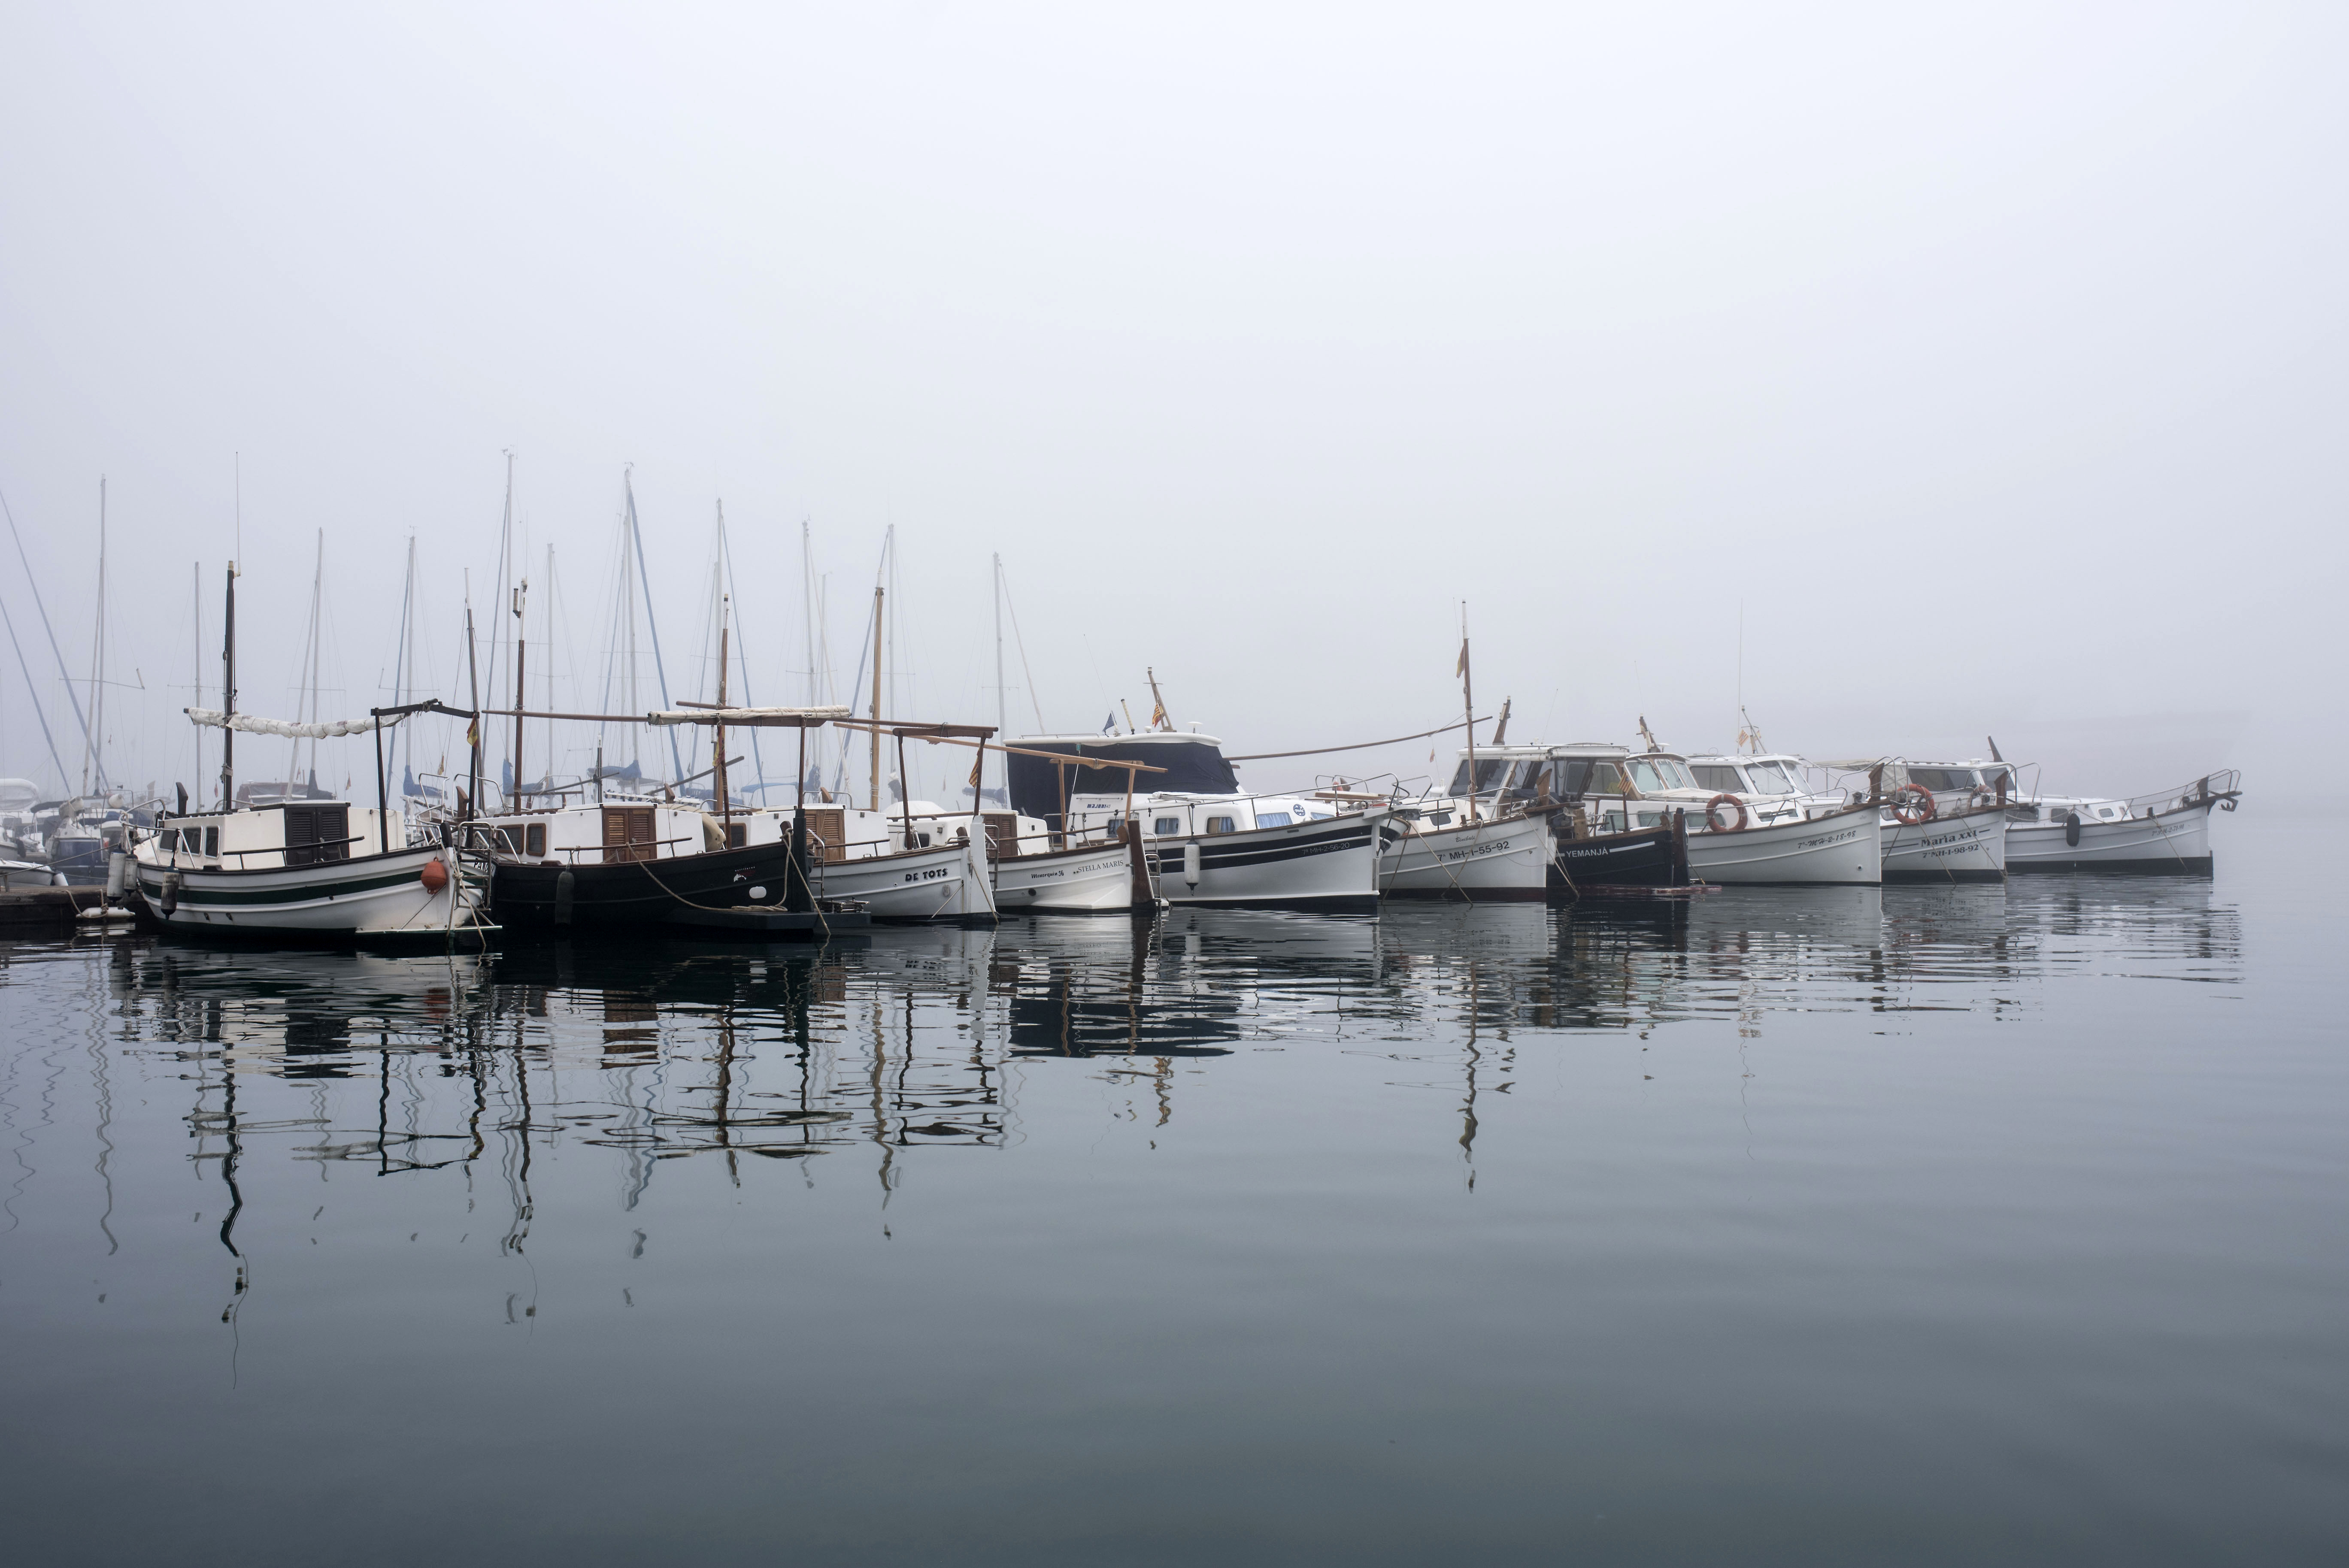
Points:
[(534, 841), (1651, 819), (211, 843), (1272, 819), (1942, 779), (512, 838), (1166, 825), (924, 839), (1611, 822), (1772, 779), (1570, 777), (1606, 779), (1116, 828), (1721, 779), (1488, 773), (1441, 819), (1654, 774), (1222, 825)]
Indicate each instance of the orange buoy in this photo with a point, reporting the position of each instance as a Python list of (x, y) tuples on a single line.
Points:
[(434, 876)]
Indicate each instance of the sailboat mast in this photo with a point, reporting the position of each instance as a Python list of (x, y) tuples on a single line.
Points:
[(1468, 698), (196, 660), (521, 595), (725, 800), (875, 790), (93, 734), (228, 696), (644, 581), (1003, 723), (473, 731)]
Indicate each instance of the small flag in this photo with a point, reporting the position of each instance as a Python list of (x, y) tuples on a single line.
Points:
[(1110, 723), (1462, 668), (977, 763), (473, 733)]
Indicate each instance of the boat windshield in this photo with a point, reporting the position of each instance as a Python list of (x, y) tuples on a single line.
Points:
[(1770, 779), (2001, 778), (1488, 770), (1717, 776), (1654, 774), (1943, 780)]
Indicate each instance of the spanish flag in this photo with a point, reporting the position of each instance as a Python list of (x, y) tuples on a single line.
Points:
[(1462, 668)]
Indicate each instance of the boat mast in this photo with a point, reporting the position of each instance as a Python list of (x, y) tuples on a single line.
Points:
[(874, 793), (1468, 697), (228, 696), (644, 581), (474, 730), (402, 648), (1159, 717), (196, 658), (94, 733), (521, 596), (317, 581), (717, 771), (1003, 723)]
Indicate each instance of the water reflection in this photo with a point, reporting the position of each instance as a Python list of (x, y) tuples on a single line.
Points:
[(667, 1051)]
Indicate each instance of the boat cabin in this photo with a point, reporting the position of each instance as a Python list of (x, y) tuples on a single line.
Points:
[(272, 836)]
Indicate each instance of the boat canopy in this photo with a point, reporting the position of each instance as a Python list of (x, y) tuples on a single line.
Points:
[(1194, 764)]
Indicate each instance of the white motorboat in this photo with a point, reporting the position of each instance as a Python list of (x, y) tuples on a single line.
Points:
[(1968, 844), (1091, 879), (2168, 832), (1844, 847), (1436, 848), (1731, 838), (1771, 784), (1204, 839)]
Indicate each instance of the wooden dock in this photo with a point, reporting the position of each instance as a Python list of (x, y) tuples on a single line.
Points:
[(49, 910)]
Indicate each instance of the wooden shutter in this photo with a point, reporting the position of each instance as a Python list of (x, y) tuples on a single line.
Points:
[(627, 834)]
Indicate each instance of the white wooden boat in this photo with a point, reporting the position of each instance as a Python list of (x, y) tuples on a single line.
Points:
[(1845, 847), (1091, 879), (1968, 844), (947, 881), (288, 873), (1465, 860), (1214, 845), (2165, 832)]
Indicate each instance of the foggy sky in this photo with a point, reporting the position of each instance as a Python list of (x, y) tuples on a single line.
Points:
[(1985, 362)]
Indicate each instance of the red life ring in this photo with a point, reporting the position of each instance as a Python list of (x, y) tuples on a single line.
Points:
[(1714, 805), (1912, 804)]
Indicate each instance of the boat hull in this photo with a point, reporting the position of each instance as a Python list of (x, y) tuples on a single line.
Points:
[(1330, 864), (2176, 842), (1096, 879), (1962, 846), (1651, 857), (948, 883), (1845, 847), (637, 894), (1474, 863), (365, 898)]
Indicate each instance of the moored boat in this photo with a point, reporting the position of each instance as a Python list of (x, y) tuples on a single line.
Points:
[(2165, 832), (1470, 860), (1844, 847)]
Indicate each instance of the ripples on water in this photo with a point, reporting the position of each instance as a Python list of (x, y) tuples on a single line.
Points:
[(1927, 1224)]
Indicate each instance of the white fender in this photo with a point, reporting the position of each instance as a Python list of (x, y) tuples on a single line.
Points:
[(1191, 864)]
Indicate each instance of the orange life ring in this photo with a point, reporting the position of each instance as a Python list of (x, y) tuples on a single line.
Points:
[(1714, 805), (1912, 804)]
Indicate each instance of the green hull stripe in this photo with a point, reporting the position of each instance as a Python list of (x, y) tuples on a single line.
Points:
[(193, 896)]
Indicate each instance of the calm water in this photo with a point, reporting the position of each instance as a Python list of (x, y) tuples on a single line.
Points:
[(1963, 1225)]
